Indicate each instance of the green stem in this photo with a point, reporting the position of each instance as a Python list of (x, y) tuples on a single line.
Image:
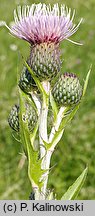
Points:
[(44, 136)]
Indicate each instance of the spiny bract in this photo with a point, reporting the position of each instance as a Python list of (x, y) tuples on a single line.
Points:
[(45, 60), (26, 82), (67, 90), (30, 116)]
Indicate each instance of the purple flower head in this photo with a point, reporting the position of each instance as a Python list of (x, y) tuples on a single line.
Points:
[(41, 23)]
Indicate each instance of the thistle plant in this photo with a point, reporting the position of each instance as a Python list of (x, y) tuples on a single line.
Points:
[(44, 27)]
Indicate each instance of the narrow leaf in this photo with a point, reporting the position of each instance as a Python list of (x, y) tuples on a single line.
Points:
[(54, 106), (31, 101), (34, 165), (33, 135), (37, 81), (68, 117), (21, 122), (56, 138), (86, 81), (73, 190)]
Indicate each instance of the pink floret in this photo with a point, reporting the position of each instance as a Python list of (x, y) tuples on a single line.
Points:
[(40, 23)]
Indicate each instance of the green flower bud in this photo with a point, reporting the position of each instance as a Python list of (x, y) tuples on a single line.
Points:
[(26, 82), (67, 90), (45, 60), (13, 118), (30, 116)]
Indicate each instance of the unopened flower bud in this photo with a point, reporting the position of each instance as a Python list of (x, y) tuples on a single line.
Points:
[(26, 82), (13, 118), (30, 116), (45, 60), (67, 90)]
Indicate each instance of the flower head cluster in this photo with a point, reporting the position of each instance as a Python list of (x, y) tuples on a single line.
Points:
[(41, 23)]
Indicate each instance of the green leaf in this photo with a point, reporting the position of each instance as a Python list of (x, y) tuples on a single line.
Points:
[(69, 117), (73, 190), (58, 134), (31, 101), (34, 164), (21, 122), (86, 81), (37, 81), (56, 138), (33, 135), (54, 106)]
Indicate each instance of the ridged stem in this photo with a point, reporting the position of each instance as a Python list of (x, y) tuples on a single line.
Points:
[(47, 158), (45, 155), (45, 166), (43, 120)]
